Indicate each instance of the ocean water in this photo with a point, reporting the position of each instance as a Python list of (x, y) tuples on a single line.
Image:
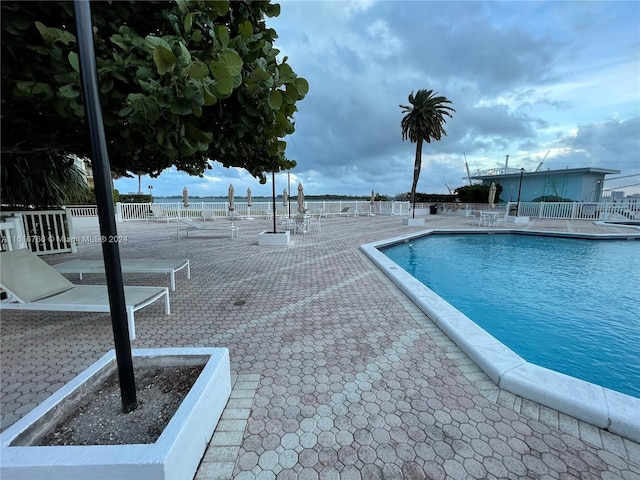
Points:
[(566, 304)]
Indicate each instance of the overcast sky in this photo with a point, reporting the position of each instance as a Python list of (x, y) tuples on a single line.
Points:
[(524, 78)]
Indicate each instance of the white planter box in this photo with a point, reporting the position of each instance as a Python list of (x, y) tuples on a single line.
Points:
[(176, 453), (270, 238), (517, 219), (413, 222)]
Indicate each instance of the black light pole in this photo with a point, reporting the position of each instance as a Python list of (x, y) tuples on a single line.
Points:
[(289, 190), (104, 202), (519, 190), (273, 188)]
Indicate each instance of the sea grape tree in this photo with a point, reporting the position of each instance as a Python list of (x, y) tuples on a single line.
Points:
[(182, 83)]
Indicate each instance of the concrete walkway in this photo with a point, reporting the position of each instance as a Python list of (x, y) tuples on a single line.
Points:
[(337, 374)]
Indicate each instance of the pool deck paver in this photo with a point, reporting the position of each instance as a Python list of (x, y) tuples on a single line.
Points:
[(336, 373)]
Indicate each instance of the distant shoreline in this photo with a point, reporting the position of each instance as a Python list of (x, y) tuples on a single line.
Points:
[(178, 199)]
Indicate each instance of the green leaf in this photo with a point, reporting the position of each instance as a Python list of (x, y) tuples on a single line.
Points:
[(144, 73), (73, 61), (222, 34), (185, 55), (302, 86), (54, 35), (126, 111), (186, 148), (272, 10), (146, 86), (153, 112), (291, 94), (197, 134), (106, 85), (187, 22), (120, 41), (197, 36), (246, 29), (67, 91), (197, 70), (228, 71), (25, 89), (286, 73), (275, 99), (219, 7), (180, 106), (224, 85), (209, 96), (259, 75), (136, 100), (154, 42), (164, 59), (232, 61)]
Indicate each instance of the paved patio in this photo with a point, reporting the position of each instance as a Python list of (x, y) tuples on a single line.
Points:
[(337, 374)]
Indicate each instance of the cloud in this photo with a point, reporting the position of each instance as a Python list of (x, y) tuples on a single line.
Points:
[(524, 78)]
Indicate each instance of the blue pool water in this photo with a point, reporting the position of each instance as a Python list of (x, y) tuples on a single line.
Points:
[(566, 304)]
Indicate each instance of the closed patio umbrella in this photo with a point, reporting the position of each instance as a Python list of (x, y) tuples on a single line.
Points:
[(231, 206), (185, 197), (284, 198), (372, 202), (301, 208), (492, 195), (249, 204)]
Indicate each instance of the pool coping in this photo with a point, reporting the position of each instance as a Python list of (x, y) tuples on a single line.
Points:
[(596, 405)]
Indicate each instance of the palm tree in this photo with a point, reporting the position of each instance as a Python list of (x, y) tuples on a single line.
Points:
[(424, 120), (43, 181)]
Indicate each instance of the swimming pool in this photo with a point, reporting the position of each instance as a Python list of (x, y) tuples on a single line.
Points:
[(566, 304)]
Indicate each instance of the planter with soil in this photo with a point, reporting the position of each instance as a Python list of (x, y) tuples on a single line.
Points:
[(81, 432)]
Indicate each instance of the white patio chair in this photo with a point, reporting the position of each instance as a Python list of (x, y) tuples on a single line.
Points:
[(314, 222), (478, 218), (31, 284)]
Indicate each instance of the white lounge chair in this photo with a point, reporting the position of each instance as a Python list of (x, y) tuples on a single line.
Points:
[(128, 266), (158, 213), (31, 284), (193, 226)]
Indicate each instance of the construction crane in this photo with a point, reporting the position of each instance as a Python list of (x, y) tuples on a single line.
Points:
[(467, 166), (540, 164), (447, 185)]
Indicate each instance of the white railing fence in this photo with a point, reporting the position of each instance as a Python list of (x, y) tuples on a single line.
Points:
[(83, 210), (142, 211), (625, 210), (41, 231), (605, 211)]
